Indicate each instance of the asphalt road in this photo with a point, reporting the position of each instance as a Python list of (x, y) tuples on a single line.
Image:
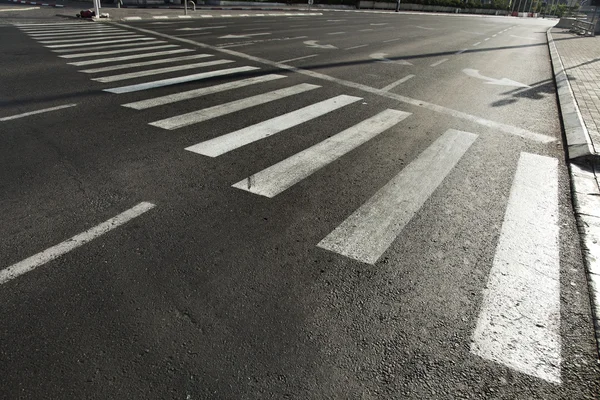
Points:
[(373, 264)]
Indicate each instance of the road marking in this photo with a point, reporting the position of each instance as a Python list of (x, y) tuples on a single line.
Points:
[(45, 110), (486, 39), (113, 46), (493, 81), (380, 24), (244, 36), (234, 140), (158, 71), (356, 47), (178, 80), (424, 27), (298, 58), (381, 57), (53, 24), (19, 9), (494, 35), (476, 44), (106, 53), (316, 45), (145, 63), (131, 57), (62, 46), (119, 36), (519, 322), (392, 40), (219, 110), (160, 17), (192, 94), (80, 30), (80, 34), (281, 176), (510, 129), (202, 28), (460, 51), (367, 233), (435, 64), (366, 30), (54, 252), (398, 82), (336, 33), (256, 29)]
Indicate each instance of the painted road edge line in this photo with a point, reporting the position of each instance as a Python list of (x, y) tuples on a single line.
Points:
[(519, 320), (45, 110), (54, 252)]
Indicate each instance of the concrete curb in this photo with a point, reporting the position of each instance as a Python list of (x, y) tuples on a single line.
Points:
[(586, 205), (579, 143)]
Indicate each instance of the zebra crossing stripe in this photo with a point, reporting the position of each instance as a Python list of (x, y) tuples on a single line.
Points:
[(367, 233), (112, 46), (68, 30), (178, 80), (130, 57), (61, 46), (145, 63), (519, 322), (106, 53), (219, 110), (139, 74), (191, 94), (80, 34), (234, 140), (281, 176), (97, 36)]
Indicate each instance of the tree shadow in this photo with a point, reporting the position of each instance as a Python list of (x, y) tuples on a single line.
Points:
[(537, 91)]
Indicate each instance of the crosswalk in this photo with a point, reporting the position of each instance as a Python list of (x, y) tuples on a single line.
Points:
[(111, 55)]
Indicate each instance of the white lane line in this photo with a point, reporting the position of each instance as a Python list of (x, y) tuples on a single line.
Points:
[(476, 44), (45, 110), (435, 64), (96, 36), (460, 51), (486, 39), (391, 40), (160, 17), (132, 57), (74, 35), (54, 252), (202, 28), (193, 34), (367, 233), (219, 110), (234, 140), (112, 46), (380, 24), (72, 31), (178, 80), (20, 9), (62, 46), (356, 47), (106, 53), (298, 58), (336, 33), (494, 35), (192, 94), (398, 82), (137, 18), (158, 71), (281, 176), (366, 30), (145, 63), (519, 322)]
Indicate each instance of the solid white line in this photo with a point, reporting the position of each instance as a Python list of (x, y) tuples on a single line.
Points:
[(54, 252), (336, 33), (135, 18), (145, 63), (36, 112), (178, 80), (476, 44), (93, 36), (281, 176), (461, 51), (77, 31), (519, 323), (494, 35), (204, 28), (63, 40), (435, 64), (112, 46), (195, 117), (486, 39), (398, 82), (392, 40), (356, 47), (298, 58), (20, 9), (78, 34), (370, 230), (157, 71), (50, 25), (62, 46), (191, 94), (66, 29), (234, 140), (160, 17), (105, 53), (366, 30), (132, 57)]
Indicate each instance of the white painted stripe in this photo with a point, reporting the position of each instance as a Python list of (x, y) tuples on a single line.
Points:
[(398, 82), (281, 176), (519, 323), (158, 71), (486, 39), (124, 58), (59, 27), (112, 46), (356, 47), (234, 140), (494, 35), (366, 30), (145, 63), (435, 64), (205, 28), (105, 53), (476, 44), (391, 40), (160, 17), (45, 110), (195, 117), (184, 16), (370, 230), (53, 24), (132, 18), (336, 33), (77, 34), (461, 51), (298, 58), (62, 46), (191, 94), (87, 40), (178, 80), (72, 31), (54, 252)]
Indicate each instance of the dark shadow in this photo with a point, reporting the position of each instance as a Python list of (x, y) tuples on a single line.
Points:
[(537, 91)]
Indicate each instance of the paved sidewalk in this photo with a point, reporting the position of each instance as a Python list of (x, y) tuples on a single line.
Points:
[(581, 59)]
